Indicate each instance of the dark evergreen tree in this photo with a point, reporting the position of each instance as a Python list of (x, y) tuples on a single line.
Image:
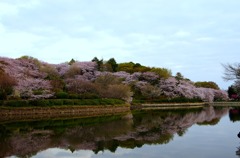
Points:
[(113, 64), (99, 63), (71, 61)]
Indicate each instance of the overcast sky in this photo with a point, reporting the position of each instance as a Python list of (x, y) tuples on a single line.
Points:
[(193, 37)]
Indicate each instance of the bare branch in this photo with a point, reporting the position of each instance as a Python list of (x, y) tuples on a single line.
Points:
[(232, 71)]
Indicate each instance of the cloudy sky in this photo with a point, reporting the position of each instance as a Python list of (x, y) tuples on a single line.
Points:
[(193, 37)]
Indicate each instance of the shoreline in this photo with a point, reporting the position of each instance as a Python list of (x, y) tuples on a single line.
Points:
[(28, 113)]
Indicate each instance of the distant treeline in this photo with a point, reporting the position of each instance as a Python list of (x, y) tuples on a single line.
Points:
[(28, 78)]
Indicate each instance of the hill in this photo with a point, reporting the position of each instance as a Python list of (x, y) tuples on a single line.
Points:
[(29, 78)]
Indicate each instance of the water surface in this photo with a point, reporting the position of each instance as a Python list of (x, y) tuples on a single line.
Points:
[(200, 133)]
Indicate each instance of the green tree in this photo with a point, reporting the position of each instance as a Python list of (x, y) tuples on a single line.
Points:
[(179, 76), (113, 64), (131, 67), (128, 67), (231, 91), (32, 60), (140, 68), (99, 63), (206, 84), (162, 72), (72, 61)]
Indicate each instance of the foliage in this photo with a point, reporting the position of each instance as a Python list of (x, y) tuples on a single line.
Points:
[(179, 76), (72, 61), (232, 92), (131, 67), (173, 88), (83, 96), (56, 82), (54, 102), (150, 77), (110, 86), (30, 59), (6, 85), (29, 78), (57, 85), (73, 71), (39, 102), (68, 102), (77, 86), (37, 80), (150, 92), (127, 67), (168, 100), (112, 62), (144, 90), (162, 72), (118, 92), (60, 102), (107, 79), (61, 95), (16, 103), (98, 62), (206, 84)]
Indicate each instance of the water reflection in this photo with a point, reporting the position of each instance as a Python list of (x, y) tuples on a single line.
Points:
[(234, 114), (101, 134)]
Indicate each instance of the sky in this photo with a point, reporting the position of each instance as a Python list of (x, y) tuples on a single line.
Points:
[(194, 37)]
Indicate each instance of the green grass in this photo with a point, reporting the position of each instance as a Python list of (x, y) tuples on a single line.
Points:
[(60, 102), (165, 100)]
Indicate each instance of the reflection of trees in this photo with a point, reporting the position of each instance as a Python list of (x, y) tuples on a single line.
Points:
[(234, 114), (98, 134), (212, 122), (181, 132), (4, 134)]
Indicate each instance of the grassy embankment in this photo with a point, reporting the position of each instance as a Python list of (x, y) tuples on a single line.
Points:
[(51, 108)]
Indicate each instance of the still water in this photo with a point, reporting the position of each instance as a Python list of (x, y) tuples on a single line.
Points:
[(200, 133)]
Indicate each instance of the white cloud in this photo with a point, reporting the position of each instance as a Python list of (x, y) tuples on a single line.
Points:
[(182, 34), (13, 7), (2, 29), (205, 39), (17, 43), (139, 39), (7, 9)]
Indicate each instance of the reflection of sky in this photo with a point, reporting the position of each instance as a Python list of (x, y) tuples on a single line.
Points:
[(218, 141)]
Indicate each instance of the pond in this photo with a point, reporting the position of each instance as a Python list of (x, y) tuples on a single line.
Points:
[(200, 133)]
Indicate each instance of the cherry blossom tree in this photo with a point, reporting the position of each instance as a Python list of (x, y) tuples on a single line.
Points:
[(28, 76), (172, 88), (36, 79)]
